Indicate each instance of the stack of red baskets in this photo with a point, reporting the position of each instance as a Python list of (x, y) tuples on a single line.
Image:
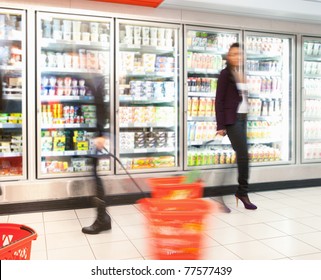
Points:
[(15, 241), (176, 215)]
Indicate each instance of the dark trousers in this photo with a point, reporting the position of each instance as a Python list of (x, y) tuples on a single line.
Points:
[(237, 135), (100, 194)]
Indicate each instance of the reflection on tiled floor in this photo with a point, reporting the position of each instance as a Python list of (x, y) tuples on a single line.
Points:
[(286, 225)]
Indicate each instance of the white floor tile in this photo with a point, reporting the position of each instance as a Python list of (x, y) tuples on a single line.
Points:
[(313, 222), (289, 246), (292, 202), (136, 231), (4, 218), (59, 215), (122, 209), (263, 215), (62, 226), (130, 219), (120, 250), (291, 227), (312, 238), (316, 256), (25, 218), (65, 239), (228, 235), (208, 241), (254, 250), (39, 244), (38, 255), (286, 226), (273, 195), (270, 204), (143, 246), (218, 253), (73, 253), (86, 213), (311, 198), (260, 231), (215, 223), (290, 212), (237, 219)]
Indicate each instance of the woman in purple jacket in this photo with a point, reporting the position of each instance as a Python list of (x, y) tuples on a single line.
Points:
[(231, 107)]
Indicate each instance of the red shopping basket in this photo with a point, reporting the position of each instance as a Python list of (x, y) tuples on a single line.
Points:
[(175, 188), (176, 227), (15, 243)]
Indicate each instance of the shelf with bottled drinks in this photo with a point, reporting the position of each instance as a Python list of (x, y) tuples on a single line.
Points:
[(312, 100), (267, 78), (205, 59)]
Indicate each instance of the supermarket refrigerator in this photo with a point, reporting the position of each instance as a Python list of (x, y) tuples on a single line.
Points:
[(311, 100), (269, 70), (148, 96), (73, 53), (270, 75), (205, 50), (13, 144)]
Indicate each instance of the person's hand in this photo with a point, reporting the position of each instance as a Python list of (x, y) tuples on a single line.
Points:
[(100, 142), (221, 132)]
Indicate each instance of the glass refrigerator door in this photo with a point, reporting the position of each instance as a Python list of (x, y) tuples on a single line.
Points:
[(270, 119), (12, 103), (205, 49), (311, 100), (73, 54), (148, 96)]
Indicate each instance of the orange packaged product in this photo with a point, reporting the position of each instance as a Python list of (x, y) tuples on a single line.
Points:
[(195, 106), (208, 107), (189, 106), (202, 107)]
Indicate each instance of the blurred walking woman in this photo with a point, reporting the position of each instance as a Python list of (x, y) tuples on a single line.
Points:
[(231, 107)]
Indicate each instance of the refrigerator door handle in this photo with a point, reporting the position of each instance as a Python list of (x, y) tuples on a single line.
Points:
[(304, 100)]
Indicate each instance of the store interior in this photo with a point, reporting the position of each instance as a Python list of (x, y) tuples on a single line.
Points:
[(155, 77)]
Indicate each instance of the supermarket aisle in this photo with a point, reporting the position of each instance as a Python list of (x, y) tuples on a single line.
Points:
[(287, 225)]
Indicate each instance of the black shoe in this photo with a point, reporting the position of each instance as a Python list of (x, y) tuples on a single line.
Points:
[(98, 226)]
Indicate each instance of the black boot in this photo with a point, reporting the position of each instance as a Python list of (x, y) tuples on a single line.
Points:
[(103, 222)]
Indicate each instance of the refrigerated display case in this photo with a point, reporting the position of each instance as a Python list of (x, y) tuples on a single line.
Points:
[(73, 53), (13, 112), (270, 71), (311, 102), (148, 96), (205, 50)]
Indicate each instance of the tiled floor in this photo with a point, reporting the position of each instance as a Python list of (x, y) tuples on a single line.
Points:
[(286, 225)]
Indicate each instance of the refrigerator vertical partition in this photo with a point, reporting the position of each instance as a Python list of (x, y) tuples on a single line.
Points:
[(270, 73), (13, 119), (205, 50), (148, 96), (311, 100), (74, 56)]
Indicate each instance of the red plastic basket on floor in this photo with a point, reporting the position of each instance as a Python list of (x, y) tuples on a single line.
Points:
[(176, 227), (175, 188), (15, 243)]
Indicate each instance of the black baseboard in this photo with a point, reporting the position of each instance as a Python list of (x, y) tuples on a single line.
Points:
[(123, 199)]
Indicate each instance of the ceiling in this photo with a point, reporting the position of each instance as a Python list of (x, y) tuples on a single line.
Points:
[(294, 10)]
